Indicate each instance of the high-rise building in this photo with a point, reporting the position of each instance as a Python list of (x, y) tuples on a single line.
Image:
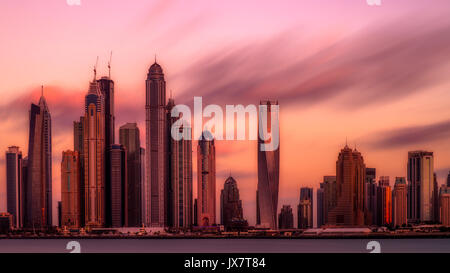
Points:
[(145, 191), (195, 212), (59, 213), (350, 175), (268, 168), (444, 196), (14, 186), (181, 206), (435, 199), (305, 217), (320, 206), (39, 183), (118, 196), (384, 202), (305, 208), (286, 218), (70, 189), (129, 138), (399, 202), (231, 212), (106, 86), (420, 186), (329, 195), (78, 146), (371, 197), (157, 145), (206, 183), (94, 157), (448, 179)]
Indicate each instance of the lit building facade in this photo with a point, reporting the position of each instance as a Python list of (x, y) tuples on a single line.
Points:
[(118, 195), (444, 200), (305, 208), (231, 211), (384, 202)]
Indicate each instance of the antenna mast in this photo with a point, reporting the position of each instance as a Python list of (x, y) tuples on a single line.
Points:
[(109, 65), (95, 69)]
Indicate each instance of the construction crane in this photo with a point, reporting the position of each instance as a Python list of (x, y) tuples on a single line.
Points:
[(95, 69)]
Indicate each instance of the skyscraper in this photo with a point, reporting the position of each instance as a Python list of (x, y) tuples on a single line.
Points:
[(70, 189), (350, 174), (231, 212), (39, 183), (129, 138), (156, 145), (384, 202), (145, 191), (371, 197), (106, 86), (329, 195), (320, 206), (181, 203), (305, 208), (268, 169), (14, 185), (444, 196), (420, 186), (94, 157), (119, 196), (206, 183), (286, 218), (78, 146), (448, 179), (399, 202)]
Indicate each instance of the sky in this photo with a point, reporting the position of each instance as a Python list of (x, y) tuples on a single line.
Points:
[(378, 76)]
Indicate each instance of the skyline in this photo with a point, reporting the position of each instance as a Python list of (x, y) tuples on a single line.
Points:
[(412, 117)]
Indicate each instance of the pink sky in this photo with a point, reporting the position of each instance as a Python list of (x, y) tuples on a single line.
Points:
[(377, 75)]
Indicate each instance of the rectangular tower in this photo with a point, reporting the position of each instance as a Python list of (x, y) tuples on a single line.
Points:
[(14, 185), (70, 189)]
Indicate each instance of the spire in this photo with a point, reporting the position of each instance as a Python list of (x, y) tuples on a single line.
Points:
[(95, 70), (109, 65), (155, 58), (42, 90)]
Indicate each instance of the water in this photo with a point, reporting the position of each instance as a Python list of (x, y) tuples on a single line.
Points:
[(223, 245)]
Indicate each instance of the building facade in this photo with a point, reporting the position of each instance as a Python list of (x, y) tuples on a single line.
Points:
[(350, 176), (94, 157), (15, 193), (268, 167), (384, 202), (444, 200), (329, 195), (39, 182), (420, 186), (371, 197), (286, 218), (305, 208), (119, 196), (399, 202), (206, 180), (129, 138), (156, 145), (231, 212), (70, 189)]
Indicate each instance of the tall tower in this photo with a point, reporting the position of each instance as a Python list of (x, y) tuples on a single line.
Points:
[(384, 202), (231, 212), (268, 173), (399, 202), (420, 186), (180, 151), (119, 193), (70, 189), (156, 144), (286, 218), (94, 157), (39, 184), (329, 196), (129, 138), (350, 177), (305, 208), (14, 185), (206, 174)]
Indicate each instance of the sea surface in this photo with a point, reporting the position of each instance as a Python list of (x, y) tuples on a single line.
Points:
[(437, 245)]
